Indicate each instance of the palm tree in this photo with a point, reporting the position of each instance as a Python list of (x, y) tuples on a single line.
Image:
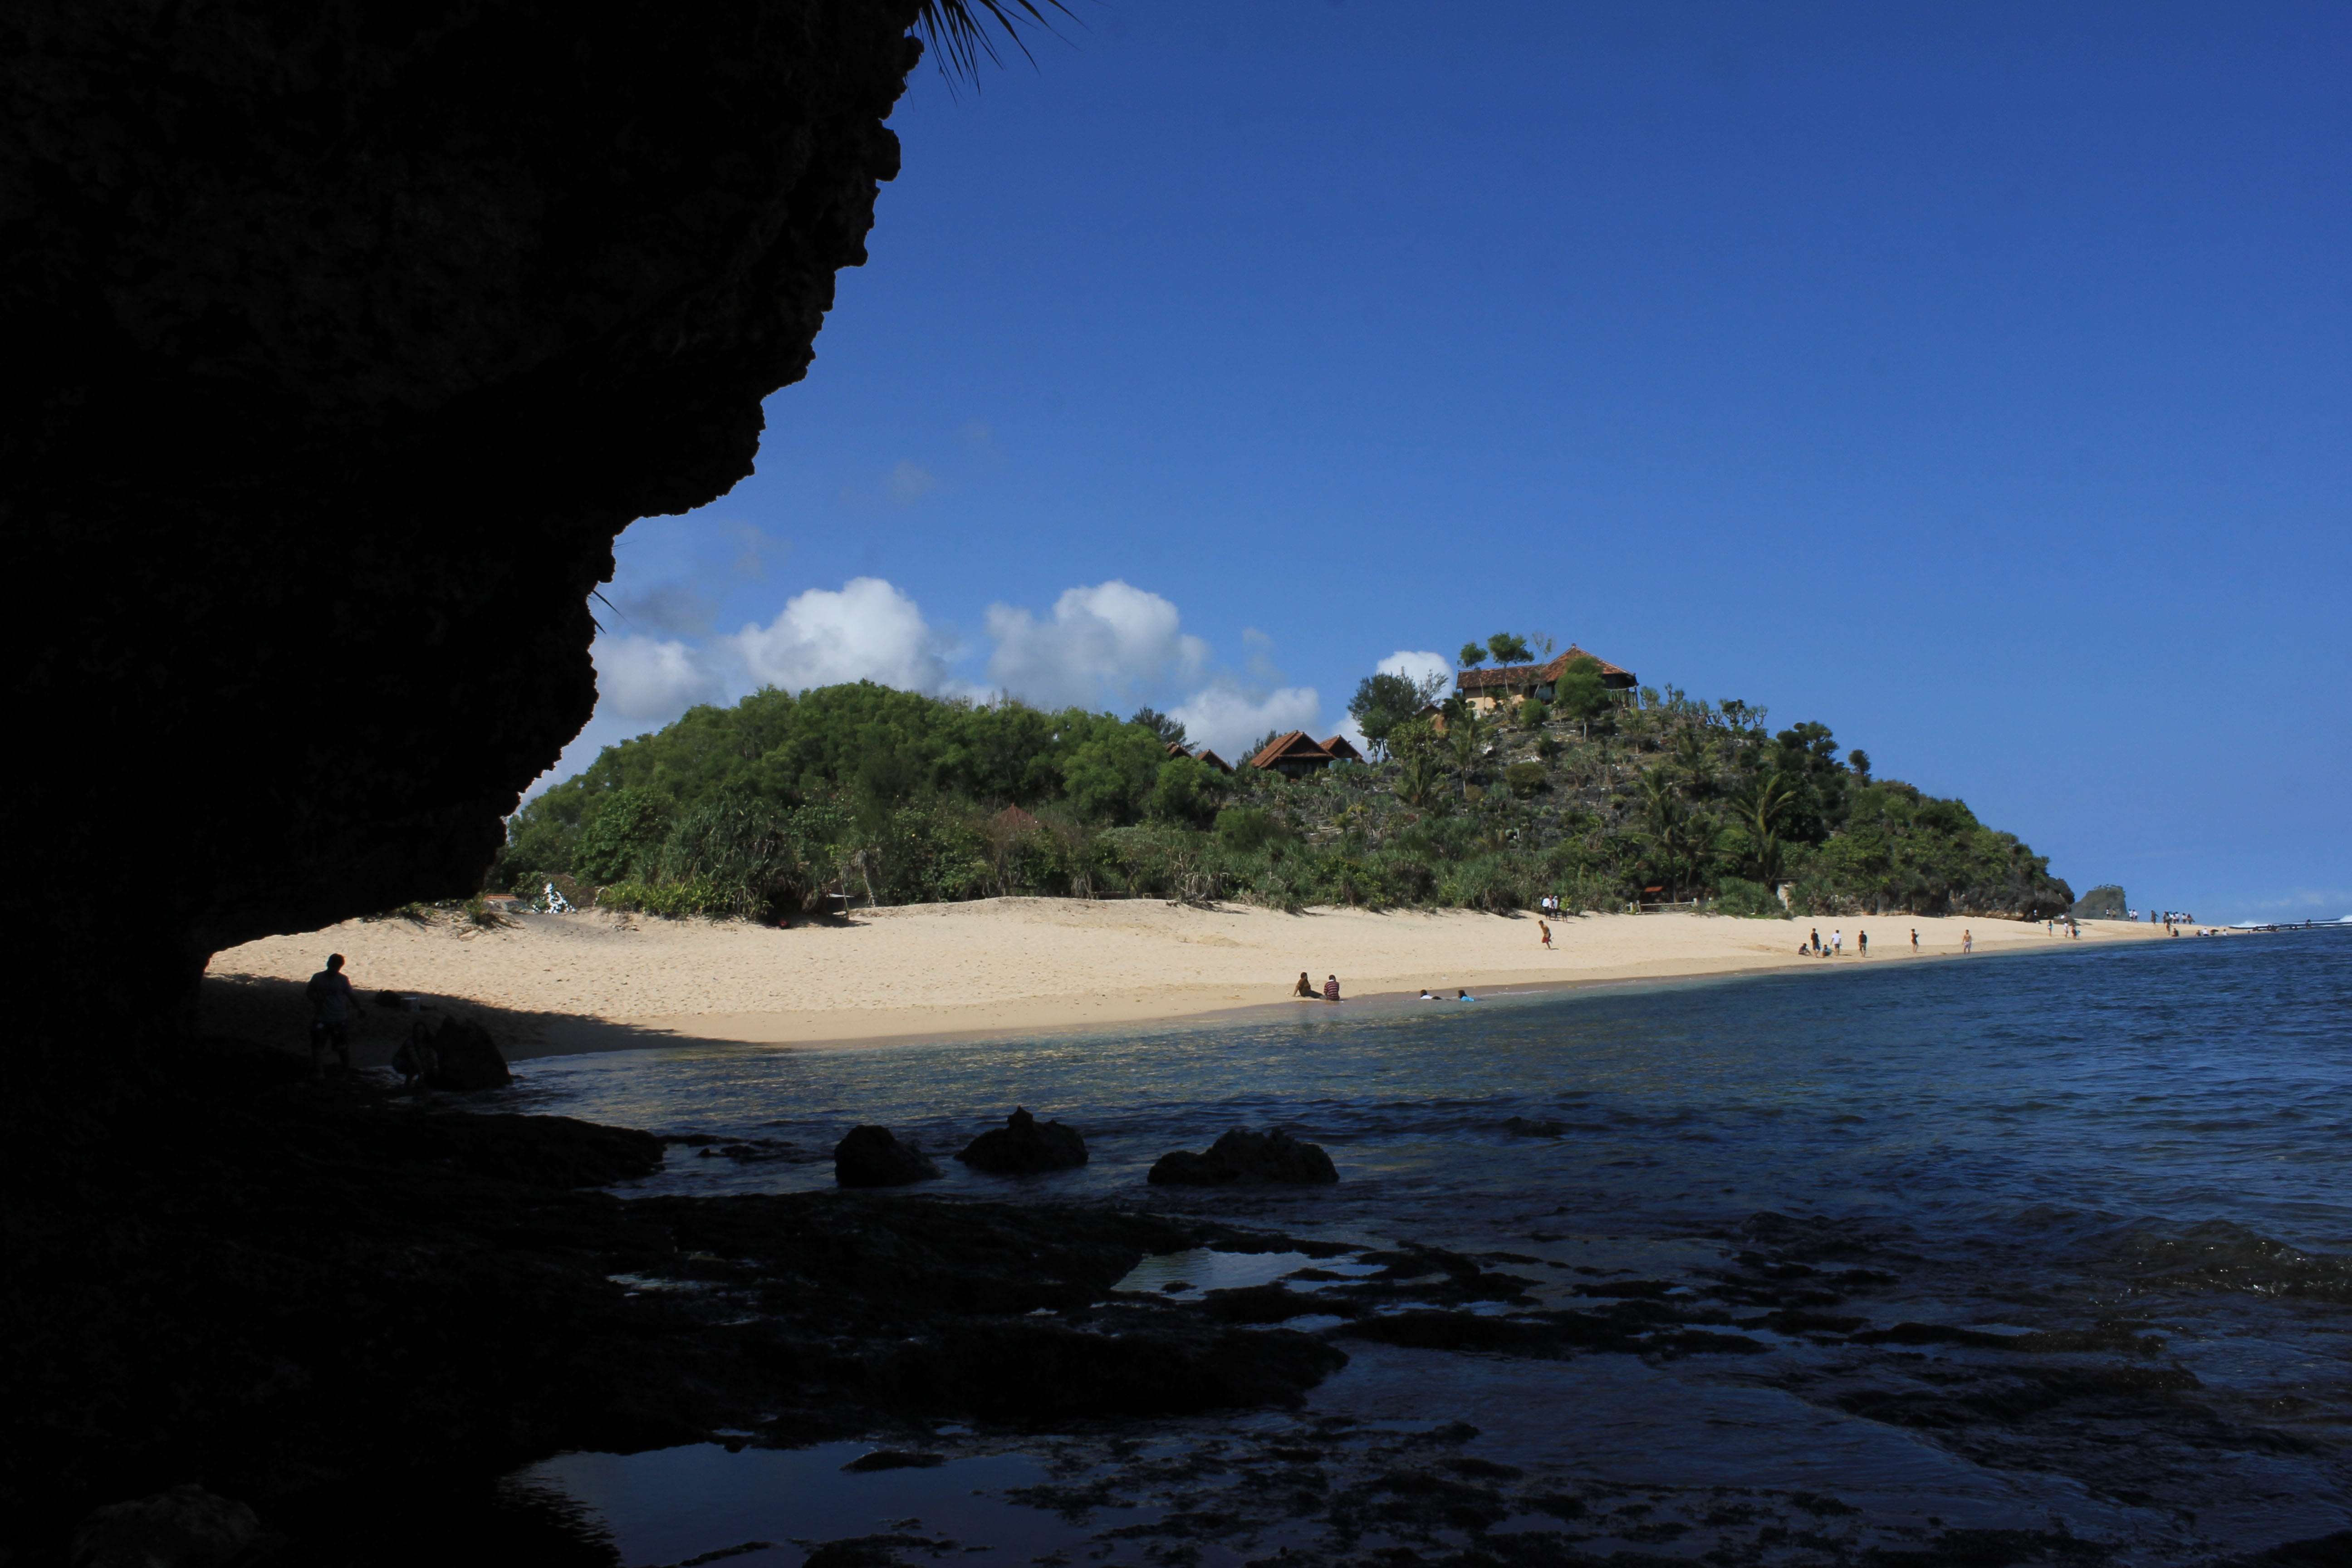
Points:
[(1677, 834), (1464, 732), (1760, 807), (957, 31)]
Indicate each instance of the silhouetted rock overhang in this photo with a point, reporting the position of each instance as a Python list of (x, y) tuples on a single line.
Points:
[(336, 342)]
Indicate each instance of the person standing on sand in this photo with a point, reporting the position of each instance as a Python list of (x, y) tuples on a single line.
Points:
[(1814, 942), (1546, 934), (1837, 942), (331, 1001), (1304, 987), (1914, 939), (1862, 943), (1330, 988), (1967, 941)]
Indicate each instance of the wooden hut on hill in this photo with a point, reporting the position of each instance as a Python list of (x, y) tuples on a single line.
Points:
[(1294, 755), (1507, 685), (1176, 749), (1341, 751)]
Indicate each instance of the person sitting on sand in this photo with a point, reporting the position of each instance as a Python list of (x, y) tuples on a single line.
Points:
[(331, 1001), (1330, 988), (1464, 996), (1304, 987)]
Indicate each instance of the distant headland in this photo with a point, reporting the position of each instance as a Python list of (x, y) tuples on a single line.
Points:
[(1529, 780)]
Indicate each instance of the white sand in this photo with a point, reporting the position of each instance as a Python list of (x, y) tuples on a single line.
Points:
[(558, 984)]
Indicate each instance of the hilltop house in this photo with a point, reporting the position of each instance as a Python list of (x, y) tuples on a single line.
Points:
[(1176, 749), (1488, 690), (1295, 754)]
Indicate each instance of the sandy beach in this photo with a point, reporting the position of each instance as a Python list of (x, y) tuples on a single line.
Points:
[(554, 985)]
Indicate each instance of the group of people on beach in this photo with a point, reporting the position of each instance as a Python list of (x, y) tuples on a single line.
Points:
[(1835, 947), (1813, 947), (1304, 991)]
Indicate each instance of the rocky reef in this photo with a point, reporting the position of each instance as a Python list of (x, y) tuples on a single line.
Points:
[(337, 343), (228, 1276)]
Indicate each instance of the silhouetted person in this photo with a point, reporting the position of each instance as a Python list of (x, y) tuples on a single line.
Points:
[(417, 1060), (331, 1001)]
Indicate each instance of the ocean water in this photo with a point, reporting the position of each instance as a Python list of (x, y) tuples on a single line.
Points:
[(2142, 1155)]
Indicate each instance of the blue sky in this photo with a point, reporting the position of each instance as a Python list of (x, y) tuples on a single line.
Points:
[(1977, 381)]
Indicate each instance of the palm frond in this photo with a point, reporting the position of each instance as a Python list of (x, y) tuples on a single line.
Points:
[(959, 31)]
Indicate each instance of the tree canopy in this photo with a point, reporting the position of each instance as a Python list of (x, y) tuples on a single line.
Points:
[(780, 802)]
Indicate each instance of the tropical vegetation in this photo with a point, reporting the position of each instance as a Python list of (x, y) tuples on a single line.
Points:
[(859, 794)]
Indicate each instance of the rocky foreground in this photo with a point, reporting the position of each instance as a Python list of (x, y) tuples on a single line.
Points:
[(295, 1293)]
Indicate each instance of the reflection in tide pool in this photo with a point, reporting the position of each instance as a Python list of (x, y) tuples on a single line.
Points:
[(2028, 1244), (679, 1503)]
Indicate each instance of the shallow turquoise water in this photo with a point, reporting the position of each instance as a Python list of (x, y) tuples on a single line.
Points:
[(2162, 1133)]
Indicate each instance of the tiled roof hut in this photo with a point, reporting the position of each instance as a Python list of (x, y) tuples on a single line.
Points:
[(1176, 749), (1341, 751), (1293, 755), (1510, 682)]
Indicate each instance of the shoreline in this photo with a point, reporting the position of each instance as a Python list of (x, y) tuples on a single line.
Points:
[(995, 969)]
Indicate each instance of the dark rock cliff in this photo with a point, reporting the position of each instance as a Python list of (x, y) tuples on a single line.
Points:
[(336, 342)]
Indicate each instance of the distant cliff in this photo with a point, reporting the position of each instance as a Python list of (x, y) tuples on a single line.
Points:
[(336, 342)]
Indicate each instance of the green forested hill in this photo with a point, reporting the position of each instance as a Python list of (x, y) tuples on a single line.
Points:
[(763, 808)]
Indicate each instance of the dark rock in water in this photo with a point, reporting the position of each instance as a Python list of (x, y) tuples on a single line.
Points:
[(537, 1150), (894, 1459), (466, 1058), (186, 1527), (1520, 1126), (873, 1157), (758, 1151), (875, 1551), (1242, 1158), (1271, 1304), (435, 304), (1023, 1147)]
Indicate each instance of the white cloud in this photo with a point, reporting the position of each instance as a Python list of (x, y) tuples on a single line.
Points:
[(640, 678), (867, 631), (1104, 644), (1227, 720), (1415, 667)]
